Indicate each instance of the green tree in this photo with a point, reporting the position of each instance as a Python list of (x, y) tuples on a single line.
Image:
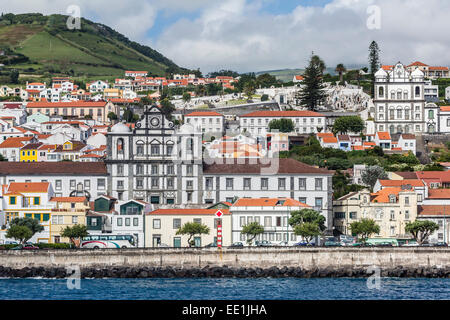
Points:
[(308, 230), (346, 124), (364, 228), (264, 97), (266, 80), (186, 97), (14, 75), (252, 230), (340, 69), (307, 215), (32, 224), (112, 116), (282, 125), (374, 61), (421, 230), (191, 229), (167, 108), (312, 93), (371, 174), (250, 88), (20, 233), (77, 231)]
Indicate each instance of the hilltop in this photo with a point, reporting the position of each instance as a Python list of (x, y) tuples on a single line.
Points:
[(37, 45)]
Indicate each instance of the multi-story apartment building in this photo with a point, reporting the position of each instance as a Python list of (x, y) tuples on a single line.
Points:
[(257, 123), (391, 208), (67, 178), (154, 162), (432, 72), (229, 179), (206, 122), (272, 213), (439, 214), (97, 110), (399, 100)]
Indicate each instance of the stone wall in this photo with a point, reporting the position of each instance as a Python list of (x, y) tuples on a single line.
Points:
[(306, 258)]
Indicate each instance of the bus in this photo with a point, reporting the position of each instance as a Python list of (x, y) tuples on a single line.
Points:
[(380, 241), (108, 241)]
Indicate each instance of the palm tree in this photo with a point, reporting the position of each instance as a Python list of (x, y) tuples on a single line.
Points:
[(340, 68)]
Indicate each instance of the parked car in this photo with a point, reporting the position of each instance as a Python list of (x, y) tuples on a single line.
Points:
[(332, 244), (11, 242), (25, 247), (263, 243), (384, 244), (441, 244), (362, 244), (211, 245), (283, 243), (303, 244), (237, 245)]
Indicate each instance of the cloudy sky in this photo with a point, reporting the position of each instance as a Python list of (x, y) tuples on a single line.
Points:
[(255, 35)]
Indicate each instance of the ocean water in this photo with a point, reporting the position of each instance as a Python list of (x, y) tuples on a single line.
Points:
[(225, 289)]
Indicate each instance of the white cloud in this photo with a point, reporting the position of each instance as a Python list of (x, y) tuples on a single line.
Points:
[(238, 35)]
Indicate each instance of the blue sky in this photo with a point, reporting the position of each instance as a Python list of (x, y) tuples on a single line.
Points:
[(256, 35)]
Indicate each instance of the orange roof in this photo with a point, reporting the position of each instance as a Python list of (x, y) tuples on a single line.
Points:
[(439, 194), (299, 78), (386, 67), (91, 155), (36, 84), (398, 183), (188, 212), (203, 114), (383, 135), (396, 149), (68, 199), (16, 142), (325, 134), (433, 210), (329, 140), (71, 104), (357, 147), (268, 202), (31, 187), (445, 108), (367, 143), (281, 114), (383, 195), (418, 63), (438, 68)]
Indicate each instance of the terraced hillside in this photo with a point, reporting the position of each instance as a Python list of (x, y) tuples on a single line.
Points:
[(94, 50)]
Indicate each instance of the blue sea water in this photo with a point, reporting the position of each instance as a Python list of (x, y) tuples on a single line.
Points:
[(225, 289)]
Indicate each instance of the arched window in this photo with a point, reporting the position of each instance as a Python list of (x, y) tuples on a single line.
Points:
[(380, 92), (120, 146), (392, 129), (399, 129), (417, 91), (399, 95), (406, 129), (140, 148), (190, 145)]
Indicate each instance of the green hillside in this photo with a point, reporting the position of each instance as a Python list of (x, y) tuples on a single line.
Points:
[(40, 45)]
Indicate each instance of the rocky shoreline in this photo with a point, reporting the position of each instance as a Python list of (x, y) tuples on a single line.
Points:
[(225, 272)]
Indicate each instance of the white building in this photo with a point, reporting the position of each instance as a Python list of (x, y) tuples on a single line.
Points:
[(206, 122), (407, 142), (399, 100), (439, 214), (98, 86), (257, 123), (272, 213), (431, 92), (67, 178), (229, 179)]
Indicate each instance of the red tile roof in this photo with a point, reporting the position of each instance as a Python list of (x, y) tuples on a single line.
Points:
[(68, 199), (398, 183), (72, 104), (268, 202), (16, 142), (438, 68), (433, 210), (281, 114), (188, 212), (382, 196), (383, 135), (203, 114), (445, 108), (439, 194), (418, 63), (329, 140), (52, 168), (30, 187)]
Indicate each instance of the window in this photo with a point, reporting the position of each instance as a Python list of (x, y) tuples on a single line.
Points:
[(176, 223), (170, 169), (353, 215), (247, 183), (318, 203), (170, 183), (264, 183), (417, 91), (407, 214), (155, 183), (302, 200), (198, 220), (281, 183), (36, 200), (58, 184), (189, 169), (139, 183), (140, 150), (318, 182), (406, 200), (101, 184), (267, 221), (120, 169), (12, 200), (57, 220), (154, 150), (119, 222), (87, 184), (72, 184), (189, 184), (392, 215), (120, 184), (430, 114), (242, 221), (278, 221), (302, 183), (229, 183), (154, 169), (209, 183), (127, 222), (156, 223)]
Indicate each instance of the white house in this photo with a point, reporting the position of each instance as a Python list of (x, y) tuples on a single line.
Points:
[(407, 142), (257, 123), (206, 121), (272, 213)]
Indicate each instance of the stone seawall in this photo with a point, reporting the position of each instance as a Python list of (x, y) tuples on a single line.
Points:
[(248, 262)]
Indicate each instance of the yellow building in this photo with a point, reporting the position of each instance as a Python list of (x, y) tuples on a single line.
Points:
[(29, 152), (163, 224), (113, 94), (390, 208), (68, 212)]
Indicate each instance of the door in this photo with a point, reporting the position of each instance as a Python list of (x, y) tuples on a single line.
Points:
[(156, 241), (177, 242), (197, 241)]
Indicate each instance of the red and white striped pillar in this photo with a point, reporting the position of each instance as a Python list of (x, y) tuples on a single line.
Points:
[(219, 233)]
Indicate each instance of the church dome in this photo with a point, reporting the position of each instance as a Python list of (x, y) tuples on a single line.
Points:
[(417, 74), (120, 128), (381, 73)]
